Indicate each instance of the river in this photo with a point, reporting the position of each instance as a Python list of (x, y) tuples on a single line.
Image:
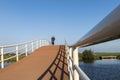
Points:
[(99, 69), (102, 69)]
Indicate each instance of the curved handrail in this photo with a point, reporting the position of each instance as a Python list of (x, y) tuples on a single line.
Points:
[(72, 67), (106, 30), (5, 46), (83, 76), (22, 48)]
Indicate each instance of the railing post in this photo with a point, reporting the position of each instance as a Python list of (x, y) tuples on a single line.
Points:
[(47, 42), (2, 58), (43, 42), (71, 64), (75, 62), (17, 56), (67, 53), (26, 51), (32, 46), (40, 43), (37, 44)]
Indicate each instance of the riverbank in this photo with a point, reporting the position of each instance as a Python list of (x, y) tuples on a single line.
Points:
[(98, 55), (8, 55)]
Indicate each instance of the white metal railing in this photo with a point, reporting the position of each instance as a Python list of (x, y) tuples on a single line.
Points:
[(18, 49), (75, 72), (106, 30)]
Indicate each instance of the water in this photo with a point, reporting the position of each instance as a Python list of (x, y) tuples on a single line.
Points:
[(6, 64), (102, 69), (99, 70)]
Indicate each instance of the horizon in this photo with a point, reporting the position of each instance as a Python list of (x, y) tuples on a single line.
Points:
[(66, 20)]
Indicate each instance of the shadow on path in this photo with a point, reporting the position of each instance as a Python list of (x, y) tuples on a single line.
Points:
[(58, 69)]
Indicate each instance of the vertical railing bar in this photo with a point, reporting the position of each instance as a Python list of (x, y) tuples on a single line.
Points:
[(37, 44), (75, 62), (71, 64), (17, 56), (2, 57), (26, 49), (32, 46), (40, 43), (43, 42)]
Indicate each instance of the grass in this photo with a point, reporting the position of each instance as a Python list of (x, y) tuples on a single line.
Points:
[(97, 55), (12, 59)]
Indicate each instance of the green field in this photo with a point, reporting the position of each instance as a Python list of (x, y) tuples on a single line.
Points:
[(12, 59), (97, 55)]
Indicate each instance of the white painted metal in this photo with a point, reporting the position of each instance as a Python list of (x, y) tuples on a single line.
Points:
[(37, 44), (26, 50), (32, 47), (75, 72), (71, 65), (2, 58), (107, 30), (67, 55), (17, 56), (9, 58), (20, 49), (40, 43), (75, 62), (83, 76)]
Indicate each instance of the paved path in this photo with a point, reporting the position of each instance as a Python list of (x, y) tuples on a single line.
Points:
[(46, 63)]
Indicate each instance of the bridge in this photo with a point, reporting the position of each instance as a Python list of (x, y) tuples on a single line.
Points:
[(59, 62), (48, 62)]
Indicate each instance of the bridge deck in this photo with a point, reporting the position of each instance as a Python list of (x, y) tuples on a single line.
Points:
[(46, 63)]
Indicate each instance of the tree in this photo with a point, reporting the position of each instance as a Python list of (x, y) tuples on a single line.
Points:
[(118, 57), (88, 56)]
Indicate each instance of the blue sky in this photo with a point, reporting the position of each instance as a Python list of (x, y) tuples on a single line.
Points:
[(25, 20)]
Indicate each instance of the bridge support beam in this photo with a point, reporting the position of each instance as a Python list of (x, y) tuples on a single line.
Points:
[(75, 62)]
